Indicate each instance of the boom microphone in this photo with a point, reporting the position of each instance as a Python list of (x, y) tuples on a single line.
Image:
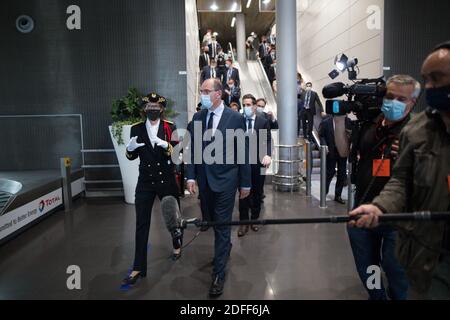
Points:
[(171, 213), (172, 216), (396, 217)]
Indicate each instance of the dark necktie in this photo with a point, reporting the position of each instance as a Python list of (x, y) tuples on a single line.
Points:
[(250, 125), (308, 99), (211, 121), (209, 128)]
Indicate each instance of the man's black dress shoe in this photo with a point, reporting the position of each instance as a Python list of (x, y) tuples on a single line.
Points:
[(176, 256), (339, 200), (129, 281), (204, 228), (216, 288)]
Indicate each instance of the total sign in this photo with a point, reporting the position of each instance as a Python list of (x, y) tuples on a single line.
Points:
[(20, 217)]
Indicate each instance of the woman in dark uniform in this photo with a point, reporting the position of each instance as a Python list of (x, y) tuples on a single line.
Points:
[(151, 142)]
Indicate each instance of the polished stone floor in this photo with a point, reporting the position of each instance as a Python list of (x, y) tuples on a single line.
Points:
[(279, 262)]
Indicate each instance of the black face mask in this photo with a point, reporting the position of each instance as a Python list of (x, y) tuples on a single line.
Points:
[(153, 115)]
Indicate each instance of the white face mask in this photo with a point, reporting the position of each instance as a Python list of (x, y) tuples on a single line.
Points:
[(248, 112)]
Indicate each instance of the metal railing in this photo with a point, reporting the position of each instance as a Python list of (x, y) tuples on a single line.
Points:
[(232, 52)]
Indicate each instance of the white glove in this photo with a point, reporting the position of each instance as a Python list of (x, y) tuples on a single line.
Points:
[(133, 144), (161, 143), (267, 161)]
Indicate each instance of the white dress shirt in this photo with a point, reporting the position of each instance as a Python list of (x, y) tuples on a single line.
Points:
[(152, 131), (217, 116), (253, 122)]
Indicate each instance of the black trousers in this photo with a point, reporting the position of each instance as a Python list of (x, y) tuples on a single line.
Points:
[(333, 161), (220, 206), (144, 200), (252, 204), (307, 118)]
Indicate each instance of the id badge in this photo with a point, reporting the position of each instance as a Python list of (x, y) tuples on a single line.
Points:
[(382, 168)]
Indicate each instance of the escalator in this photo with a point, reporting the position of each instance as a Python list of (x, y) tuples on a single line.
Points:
[(254, 81)]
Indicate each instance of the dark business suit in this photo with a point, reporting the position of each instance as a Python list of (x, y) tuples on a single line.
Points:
[(311, 103), (258, 148), (156, 179), (204, 60), (219, 182), (272, 124), (234, 97), (327, 137), (214, 49), (208, 73), (232, 74)]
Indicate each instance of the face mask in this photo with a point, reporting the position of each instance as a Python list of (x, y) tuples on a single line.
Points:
[(439, 98), (206, 102), (260, 110), (308, 88), (248, 112), (393, 110), (153, 115), (228, 66)]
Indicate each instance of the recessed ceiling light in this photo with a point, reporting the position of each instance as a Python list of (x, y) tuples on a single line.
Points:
[(249, 3), (214, 7), (233, 22)]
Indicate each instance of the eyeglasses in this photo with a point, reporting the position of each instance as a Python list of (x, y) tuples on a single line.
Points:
[(207, 92)]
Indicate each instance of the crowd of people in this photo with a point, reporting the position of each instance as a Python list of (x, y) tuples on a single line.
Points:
[(402, 165)]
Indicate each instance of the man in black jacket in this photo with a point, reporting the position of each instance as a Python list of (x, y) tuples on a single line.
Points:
[(231, 73), (311, 103), (210, 72), (232, 93), (204, 59), (333, 134), (257, 128)]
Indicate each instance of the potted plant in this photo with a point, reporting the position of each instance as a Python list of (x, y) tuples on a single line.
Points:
[(125, 113)]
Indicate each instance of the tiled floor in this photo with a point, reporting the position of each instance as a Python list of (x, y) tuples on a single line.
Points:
[(279, 262)]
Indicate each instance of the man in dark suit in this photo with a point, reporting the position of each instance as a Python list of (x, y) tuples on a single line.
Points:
[(261, 106), (218, 180), (260, 141), (232, 93), (210, 72), (231, 73), (333, 134), (264, 49), (311, 103), (204, 58), (151, 142), (214, 47)]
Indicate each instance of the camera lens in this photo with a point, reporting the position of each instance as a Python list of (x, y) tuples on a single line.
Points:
[(24, 24)]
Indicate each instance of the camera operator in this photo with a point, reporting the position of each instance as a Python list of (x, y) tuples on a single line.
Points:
[(420, 179), (378, 145)]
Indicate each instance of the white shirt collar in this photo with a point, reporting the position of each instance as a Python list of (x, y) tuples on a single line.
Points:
[(218, 112)]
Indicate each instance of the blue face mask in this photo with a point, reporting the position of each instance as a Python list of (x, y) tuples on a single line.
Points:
[(248, 112), (439, 98), (393, 110), (206, 102)]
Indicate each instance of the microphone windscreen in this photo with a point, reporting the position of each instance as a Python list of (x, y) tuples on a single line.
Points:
[(171, 212)]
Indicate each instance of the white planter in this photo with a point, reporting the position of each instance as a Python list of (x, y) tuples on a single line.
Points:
[(128, 169)]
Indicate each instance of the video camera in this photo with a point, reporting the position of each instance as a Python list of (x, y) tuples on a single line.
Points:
[(364, 97)]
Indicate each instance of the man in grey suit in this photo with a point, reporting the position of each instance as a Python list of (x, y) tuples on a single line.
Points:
[(218, 183)]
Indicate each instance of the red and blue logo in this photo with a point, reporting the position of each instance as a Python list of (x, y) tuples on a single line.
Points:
[(41, 206)]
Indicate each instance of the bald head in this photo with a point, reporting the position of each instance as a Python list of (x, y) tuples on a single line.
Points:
[(436, 69)]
